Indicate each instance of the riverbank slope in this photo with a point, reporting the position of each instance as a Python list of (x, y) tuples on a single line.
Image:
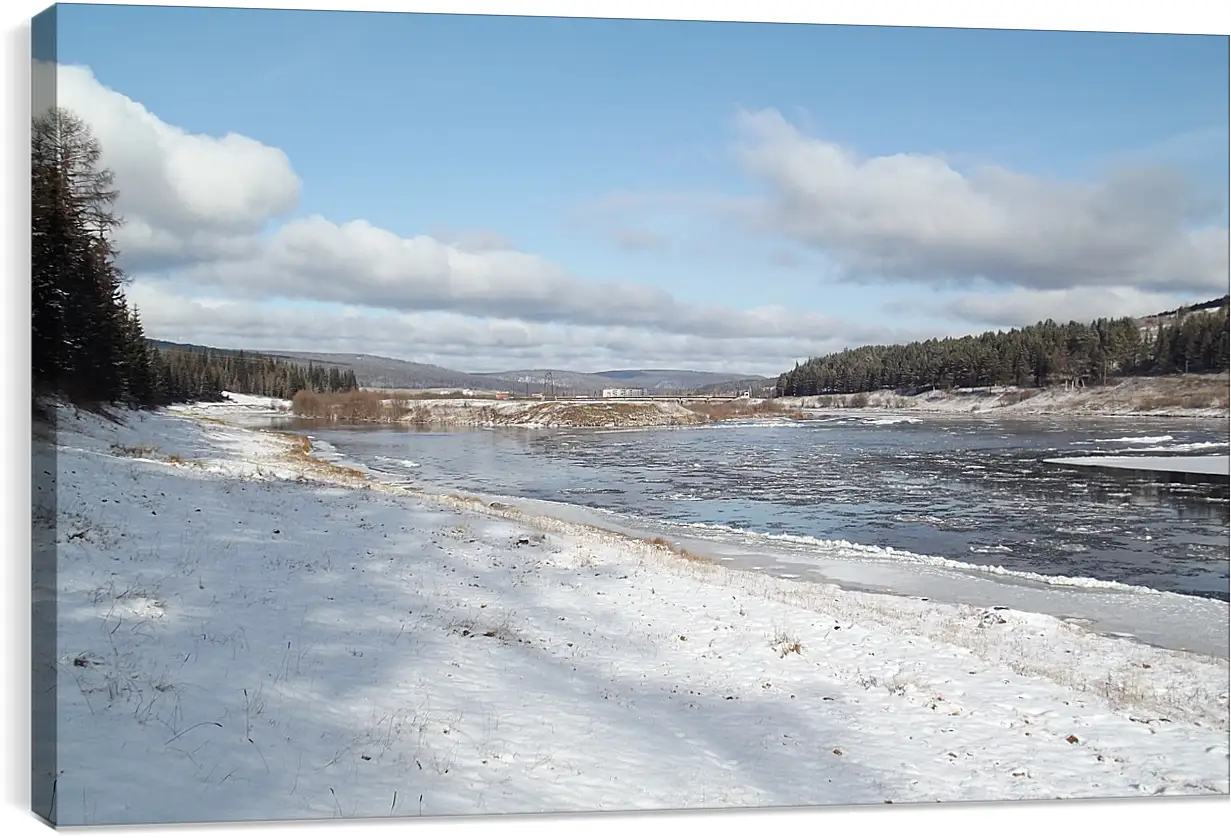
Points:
[(1190, 396)]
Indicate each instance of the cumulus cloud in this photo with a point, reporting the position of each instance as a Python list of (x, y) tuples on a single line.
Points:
[(184, 196), (914, 217), (358, 263)]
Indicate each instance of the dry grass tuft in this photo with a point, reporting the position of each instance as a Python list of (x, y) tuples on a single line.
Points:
[(144, 452), (785, 643), (1164, 401), (502, 631), (667, 547)]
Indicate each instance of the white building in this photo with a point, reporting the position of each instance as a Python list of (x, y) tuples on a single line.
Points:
[(623, 393)]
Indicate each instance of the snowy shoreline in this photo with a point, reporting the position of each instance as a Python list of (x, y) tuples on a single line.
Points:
[(1167, 619), (1204, 396), (262, 635)]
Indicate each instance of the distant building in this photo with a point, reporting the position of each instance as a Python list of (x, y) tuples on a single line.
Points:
[(623, 393)]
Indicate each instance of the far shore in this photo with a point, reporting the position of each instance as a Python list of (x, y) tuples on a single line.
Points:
[(1181, 396)]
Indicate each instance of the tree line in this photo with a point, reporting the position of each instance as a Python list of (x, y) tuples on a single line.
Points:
[(1033, 356), (191, 375), (87, 343)]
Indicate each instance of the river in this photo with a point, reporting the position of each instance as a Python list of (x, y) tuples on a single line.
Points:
[(864, 500)]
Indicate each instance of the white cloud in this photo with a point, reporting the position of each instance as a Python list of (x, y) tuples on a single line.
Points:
[(184, 195), (1023, 307), (476, 241), (915, 218), (357, 263)]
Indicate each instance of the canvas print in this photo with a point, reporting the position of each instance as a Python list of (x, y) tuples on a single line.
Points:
[(444, 415)]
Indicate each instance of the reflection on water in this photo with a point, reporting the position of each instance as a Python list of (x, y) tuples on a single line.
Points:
[(968, 489)]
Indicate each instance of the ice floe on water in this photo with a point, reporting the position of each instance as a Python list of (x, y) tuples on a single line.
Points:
[(891, 420), (1145, 440)]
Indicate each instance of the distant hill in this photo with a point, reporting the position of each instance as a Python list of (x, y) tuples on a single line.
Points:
[(378, 371), (1150, 324), (392, 373), (672, 379), (1208, 304), (565, 382), (652, 381), (758, 385), (192, 347)]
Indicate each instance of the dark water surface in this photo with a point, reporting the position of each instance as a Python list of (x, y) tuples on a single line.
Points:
[(967, 489)]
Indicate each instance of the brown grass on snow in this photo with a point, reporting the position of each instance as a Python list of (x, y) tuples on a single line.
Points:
[(719, 411), (300, 453), (1186, 391), (683, 552), (1016, 397)]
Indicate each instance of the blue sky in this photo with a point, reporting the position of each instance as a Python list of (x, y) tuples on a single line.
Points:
[(608, 149)]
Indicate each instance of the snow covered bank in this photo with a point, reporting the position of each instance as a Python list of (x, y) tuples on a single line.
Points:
[(240, 409), (493, 413), (247, 634), (1169, 620), (1193, 396)]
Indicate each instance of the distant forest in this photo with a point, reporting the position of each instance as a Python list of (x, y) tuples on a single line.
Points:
[(87, 343), (1193, 340), (190, 375)]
